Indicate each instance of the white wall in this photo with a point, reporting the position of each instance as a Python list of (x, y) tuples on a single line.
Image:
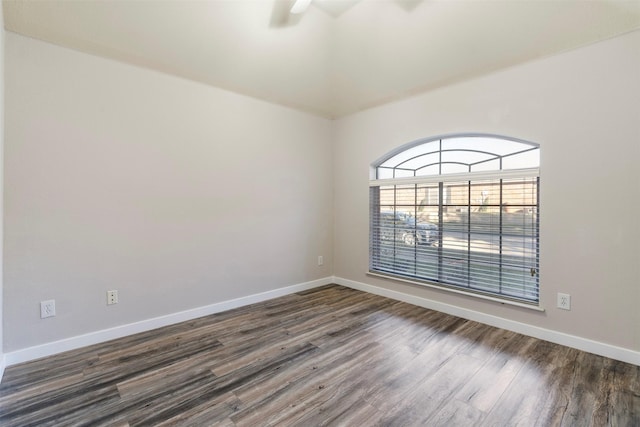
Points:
[(1, 183), (583, 108), (177, 194)]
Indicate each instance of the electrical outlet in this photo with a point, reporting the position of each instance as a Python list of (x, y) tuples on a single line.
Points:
[(320, 260), (112, 297), (564, 301), (47, 308)]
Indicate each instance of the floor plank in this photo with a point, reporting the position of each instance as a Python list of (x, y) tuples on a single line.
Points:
[(326, 356)]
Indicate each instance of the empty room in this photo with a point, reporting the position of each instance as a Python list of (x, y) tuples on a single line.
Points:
[(320, 212)]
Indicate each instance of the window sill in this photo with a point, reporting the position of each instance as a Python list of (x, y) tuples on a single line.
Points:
[(456, 291)]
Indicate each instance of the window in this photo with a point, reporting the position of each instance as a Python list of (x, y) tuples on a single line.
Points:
[(460, 213)]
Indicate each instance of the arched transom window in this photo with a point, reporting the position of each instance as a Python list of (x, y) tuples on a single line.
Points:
[(459, 213)]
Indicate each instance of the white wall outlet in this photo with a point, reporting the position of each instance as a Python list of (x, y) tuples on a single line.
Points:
[(320, 260), (564, 301), (112, 297), (47, 308)]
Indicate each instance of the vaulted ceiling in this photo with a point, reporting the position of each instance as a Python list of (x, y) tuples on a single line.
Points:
[(339, 57)]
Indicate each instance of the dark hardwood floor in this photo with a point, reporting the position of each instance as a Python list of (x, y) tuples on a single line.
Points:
[(329, 356)]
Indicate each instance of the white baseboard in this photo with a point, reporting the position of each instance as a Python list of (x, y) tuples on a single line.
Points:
[(55, 347), (595, 347), (3, 364), (48, 349)]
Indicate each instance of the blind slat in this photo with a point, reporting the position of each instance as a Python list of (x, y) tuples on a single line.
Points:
[(489, 248)]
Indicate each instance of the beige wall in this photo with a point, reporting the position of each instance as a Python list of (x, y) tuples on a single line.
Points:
[(177, 194), (583, 108), (1, 178)]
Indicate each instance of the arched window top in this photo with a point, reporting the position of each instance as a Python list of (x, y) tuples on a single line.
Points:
[(459, 154)]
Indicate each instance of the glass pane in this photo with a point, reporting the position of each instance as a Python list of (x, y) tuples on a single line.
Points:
[(384, 173), (423, 160), (428, 195), (492, 165), (530, 159), (453, 168), (406, 196), (498, 146), (519, 192), (429, 170), (387, 195), (432, 146), (466, 157), (484, 195), (456, 194), (401, 173)]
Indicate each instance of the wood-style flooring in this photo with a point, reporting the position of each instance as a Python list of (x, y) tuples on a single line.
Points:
[(328, 356)]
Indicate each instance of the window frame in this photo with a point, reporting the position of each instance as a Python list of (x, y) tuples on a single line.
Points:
[(529, 173)]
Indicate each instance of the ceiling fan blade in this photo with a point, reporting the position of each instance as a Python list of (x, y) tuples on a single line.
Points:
[(300, 6), (281, 16)]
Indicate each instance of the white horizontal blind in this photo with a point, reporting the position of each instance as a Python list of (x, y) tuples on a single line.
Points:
[(473, 232)]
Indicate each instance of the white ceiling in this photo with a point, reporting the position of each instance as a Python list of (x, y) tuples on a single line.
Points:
[(339, 57)]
